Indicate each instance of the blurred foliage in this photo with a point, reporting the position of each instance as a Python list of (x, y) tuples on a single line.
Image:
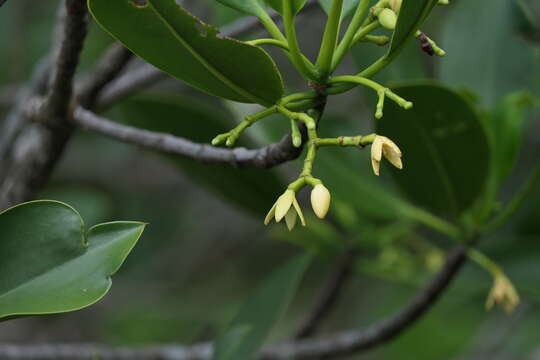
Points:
[(203, 254)]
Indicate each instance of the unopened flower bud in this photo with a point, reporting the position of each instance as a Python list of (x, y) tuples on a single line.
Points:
[(388, 19), (396, 5), (320, 200)]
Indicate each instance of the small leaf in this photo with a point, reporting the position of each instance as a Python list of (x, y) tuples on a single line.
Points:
[(297, 5), (173, 40), (445, 148), (50, 265), (262, 310), (348, 6), (411, 16)]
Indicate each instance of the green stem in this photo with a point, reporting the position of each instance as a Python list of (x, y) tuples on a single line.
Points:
[(347, 41), (516, 202), (299, 61), (485, 262), (433, 222), (355, 141), (363, 32), (299, 96), (274, 42), (329, 41), (272, 28)]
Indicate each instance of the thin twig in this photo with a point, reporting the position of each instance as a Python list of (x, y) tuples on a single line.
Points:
[(265, 157), (341, 343), (109, 67), (329, 296)]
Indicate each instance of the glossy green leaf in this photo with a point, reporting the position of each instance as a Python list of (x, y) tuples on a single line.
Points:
[(348, 6), (493, 62), (173, 40), (250, 7), (252, 189), (256, 318), (445, 148), (411, 16), (276, 5), (50, 264), (507, 125)]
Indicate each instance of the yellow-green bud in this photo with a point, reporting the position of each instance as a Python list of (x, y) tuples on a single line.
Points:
[(396, 5), (388, 19), (320, 200)]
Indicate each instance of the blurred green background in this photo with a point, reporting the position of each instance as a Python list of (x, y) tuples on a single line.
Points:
[(206, 247)]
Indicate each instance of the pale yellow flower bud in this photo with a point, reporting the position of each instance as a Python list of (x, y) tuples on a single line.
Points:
[(320, 200), (388, 19), (384, 146), (290, 218), (503, 294)]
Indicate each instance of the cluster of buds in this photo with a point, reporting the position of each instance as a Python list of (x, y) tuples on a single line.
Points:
[(287, 207)]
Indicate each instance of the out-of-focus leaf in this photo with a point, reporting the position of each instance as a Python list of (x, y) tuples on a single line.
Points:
[(51, 265), (493, 62), (525, 20), (296, 4), (173, 40), (252, 189), (445, 148), (256, 318), (410, 18), (507, 124), (348, 6)]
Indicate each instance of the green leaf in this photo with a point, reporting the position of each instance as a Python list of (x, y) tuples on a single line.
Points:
[(444, 144), (256, 318), (411, 16), (348, 6), (250, 7), (50, 265), (507, 125), (496, 60), (297, 5), (252, 189), (176, 42)]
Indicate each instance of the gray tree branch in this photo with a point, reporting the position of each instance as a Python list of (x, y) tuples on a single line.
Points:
[(265, 157), (331, 345), (39, 145)]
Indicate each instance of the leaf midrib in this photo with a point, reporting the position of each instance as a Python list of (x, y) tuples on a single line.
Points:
[(205, 63)]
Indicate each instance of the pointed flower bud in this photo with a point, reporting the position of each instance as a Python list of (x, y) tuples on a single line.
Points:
[(320, 200), (384, 146), (286, 207), (503, 294), (388, 19)]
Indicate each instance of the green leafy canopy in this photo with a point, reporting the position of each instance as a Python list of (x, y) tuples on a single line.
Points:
[(51, 265)]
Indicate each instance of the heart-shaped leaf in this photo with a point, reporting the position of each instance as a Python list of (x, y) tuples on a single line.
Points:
[(296, 4), (173, 40), (256, 318), (411, 16), (50, 265), (348, 6), (445, 148)]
